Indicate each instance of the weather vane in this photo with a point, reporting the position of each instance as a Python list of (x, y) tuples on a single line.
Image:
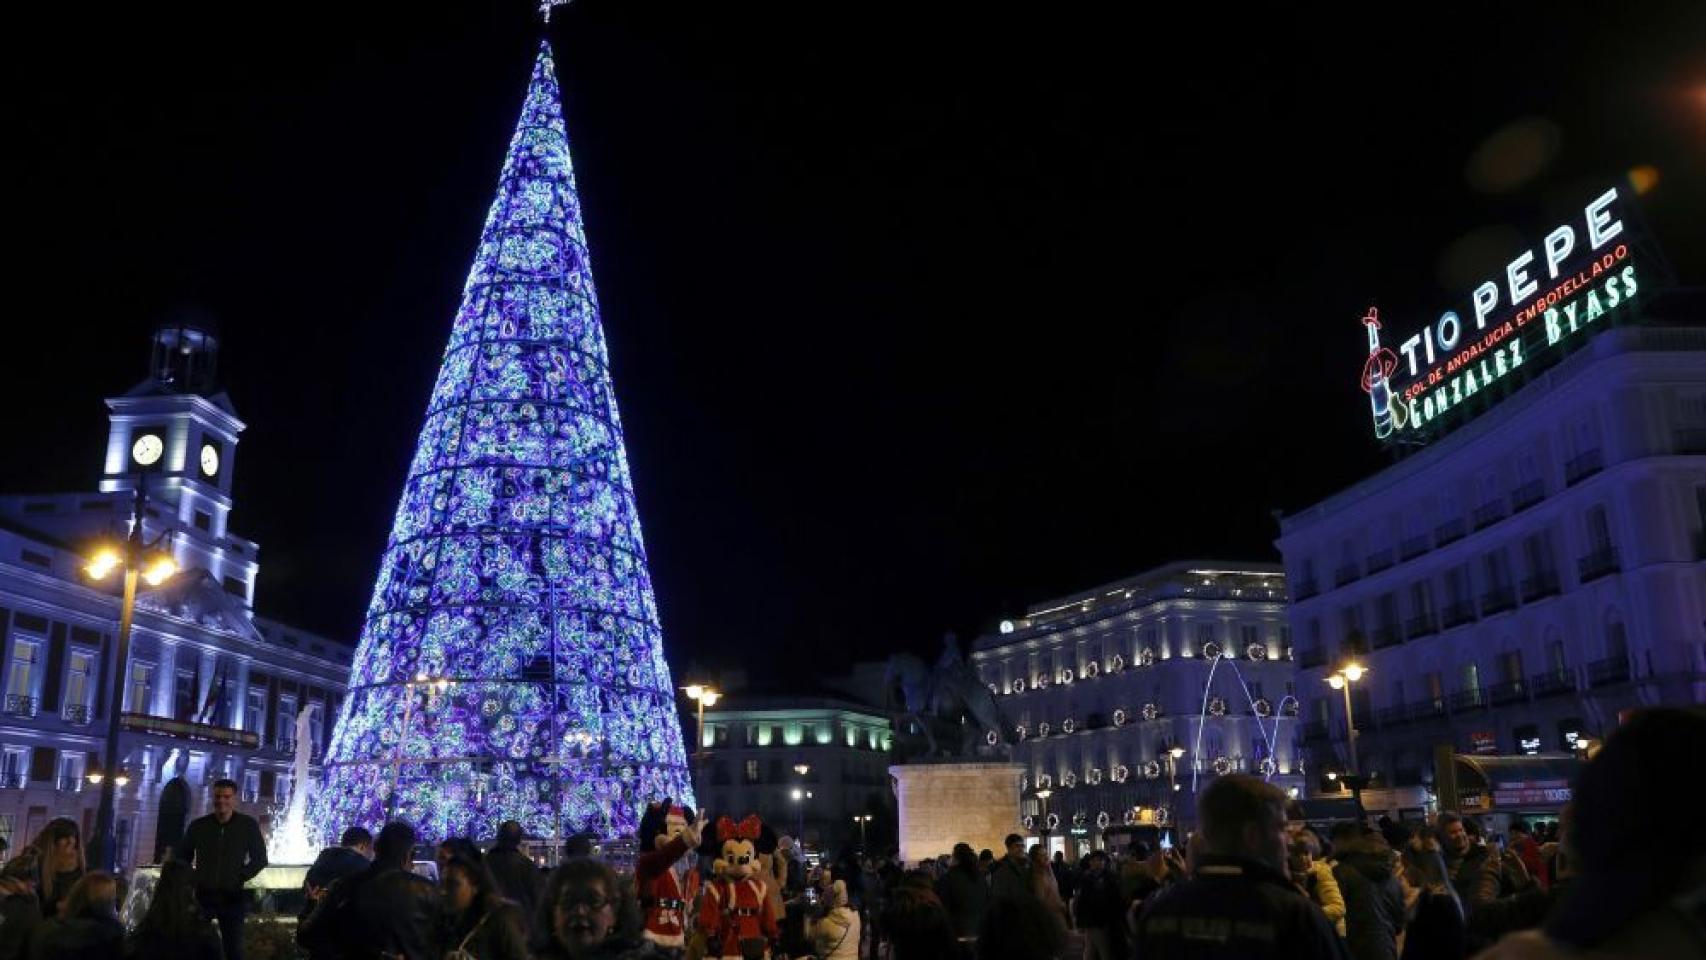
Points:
[(546, 6)]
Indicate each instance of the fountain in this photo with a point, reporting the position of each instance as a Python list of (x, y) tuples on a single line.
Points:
[(290, 842), (1269, 736)]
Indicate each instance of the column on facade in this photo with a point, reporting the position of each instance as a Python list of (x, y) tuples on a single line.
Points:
[(205, 680), (165, 679), (240, 700)]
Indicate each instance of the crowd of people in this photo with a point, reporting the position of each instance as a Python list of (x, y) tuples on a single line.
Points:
[(1251, 879)]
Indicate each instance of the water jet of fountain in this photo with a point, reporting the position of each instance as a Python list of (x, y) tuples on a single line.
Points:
[(290, 841)]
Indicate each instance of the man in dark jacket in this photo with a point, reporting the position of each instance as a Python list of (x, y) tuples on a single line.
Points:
[(1099, 910), (226, 850), (1374, 900), (1011, 875), (517, 875), (1239, 903), (964, 892), (386, 910), (1474, 873), (350, 857)]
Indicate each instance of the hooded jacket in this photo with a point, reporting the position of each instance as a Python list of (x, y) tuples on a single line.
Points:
[(1374, 902)]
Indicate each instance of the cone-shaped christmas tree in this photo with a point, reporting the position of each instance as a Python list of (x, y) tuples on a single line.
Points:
[(511, 665)]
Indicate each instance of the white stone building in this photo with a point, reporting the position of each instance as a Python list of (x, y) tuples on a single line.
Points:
[(1098, 687)]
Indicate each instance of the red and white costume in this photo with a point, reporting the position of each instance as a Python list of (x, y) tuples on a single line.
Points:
[(667, 885), (735, 907)]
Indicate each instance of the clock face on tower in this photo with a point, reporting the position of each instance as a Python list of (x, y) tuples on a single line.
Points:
[(147, 449), (209, 460)]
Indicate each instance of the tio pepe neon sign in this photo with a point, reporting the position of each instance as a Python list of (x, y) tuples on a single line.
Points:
[(1439, 370)]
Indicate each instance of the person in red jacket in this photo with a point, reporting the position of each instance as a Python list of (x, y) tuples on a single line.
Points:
[(664, 874), (1528, 851), (735, 910)]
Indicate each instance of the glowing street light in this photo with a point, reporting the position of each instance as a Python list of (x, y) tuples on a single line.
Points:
[(862, 819), (705, 697), (1341, 680), (432, 685)]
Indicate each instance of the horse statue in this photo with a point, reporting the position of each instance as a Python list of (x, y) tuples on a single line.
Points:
[(948, 691)]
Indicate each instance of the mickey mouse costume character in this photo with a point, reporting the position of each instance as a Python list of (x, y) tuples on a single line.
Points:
[(737, 919), (664, 875)]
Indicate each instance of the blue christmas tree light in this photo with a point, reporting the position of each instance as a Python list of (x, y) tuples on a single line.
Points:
[(511, 665)]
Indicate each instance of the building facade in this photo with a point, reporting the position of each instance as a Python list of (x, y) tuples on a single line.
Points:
[(806, 765), (1102, 686), (1516, 584), (210, 690)]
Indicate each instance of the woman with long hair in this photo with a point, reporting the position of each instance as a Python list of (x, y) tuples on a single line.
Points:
[(1436, 928), (59, 849), (173, 928), (479, 922), (1044, 886)]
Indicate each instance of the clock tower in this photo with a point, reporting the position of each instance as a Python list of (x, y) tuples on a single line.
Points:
[(176, 432)]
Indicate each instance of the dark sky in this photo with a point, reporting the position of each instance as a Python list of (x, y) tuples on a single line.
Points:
[(913, 321)]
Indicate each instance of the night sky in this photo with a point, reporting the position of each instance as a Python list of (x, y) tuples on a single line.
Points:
[(913, 322)]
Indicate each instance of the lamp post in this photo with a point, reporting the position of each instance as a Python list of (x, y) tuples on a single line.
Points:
[(1042, 799), (800, 827), (138, 560), (1341, 680), (861, 819), (1174, 754), (705, 697), (421, 680)]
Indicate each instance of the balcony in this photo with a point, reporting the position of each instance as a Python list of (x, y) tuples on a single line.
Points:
[(1591, 567), (13, 780), (285, 745), (1425, 710), (69, 784), (1386, 636), (1307, 589), (1604, 673), (1488, 514), (1449, 531), (1498, 600), (185, 730), (1411, 547), (1420, 626), (1378, 561), (1542, 584), (21, 706), (1314, 730), (1307, 658), (1457, 614), (1527, 495), (76, 714), (1552, 684), (1688, 440), (1507, 691), (1582, 466), (1468, 700), (1346, 574), (1394, 716), (251, 796)]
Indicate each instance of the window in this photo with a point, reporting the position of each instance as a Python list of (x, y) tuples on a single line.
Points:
[(255, 709), (1599, 529), (1498, 569), (70, 770), (251, 786), (26, 655), (1510, 666), (1537, 553), (79, 678), (751, 771), (1471, 677), (314, 712), (1616, 637), (1457, 584), (1422, 599), (1205, 634), (1386, 611), (1398, 692), (183, 696), (1249, 635), (1435, 685), (287, 721), (281, 788), (203, 520), (13, 765), (238, 588), (35, 559), (141, 697)]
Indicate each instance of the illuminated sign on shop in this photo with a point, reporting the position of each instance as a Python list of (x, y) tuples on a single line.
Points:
[(1559, 291)]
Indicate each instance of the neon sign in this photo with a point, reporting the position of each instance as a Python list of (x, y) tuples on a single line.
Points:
[(1512, 318)]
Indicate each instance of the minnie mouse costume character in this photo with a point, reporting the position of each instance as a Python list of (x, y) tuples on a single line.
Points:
[(738, 921), (664, 875)]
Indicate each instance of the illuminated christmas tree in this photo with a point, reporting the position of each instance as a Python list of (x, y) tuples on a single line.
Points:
[(511, 665)]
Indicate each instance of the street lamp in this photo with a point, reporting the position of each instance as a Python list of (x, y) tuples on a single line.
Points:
[(705, 697), (1042, 798), (137, 559), (438, 684), (1341, 680), (1173, 756), (861, 819), (800, 827)]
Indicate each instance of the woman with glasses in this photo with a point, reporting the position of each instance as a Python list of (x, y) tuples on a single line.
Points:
[(587, 914)]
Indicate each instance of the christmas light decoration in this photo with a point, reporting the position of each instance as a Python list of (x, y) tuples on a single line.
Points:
[(511, 665)]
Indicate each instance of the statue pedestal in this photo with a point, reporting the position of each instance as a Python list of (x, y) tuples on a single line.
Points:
[(942, 804)]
